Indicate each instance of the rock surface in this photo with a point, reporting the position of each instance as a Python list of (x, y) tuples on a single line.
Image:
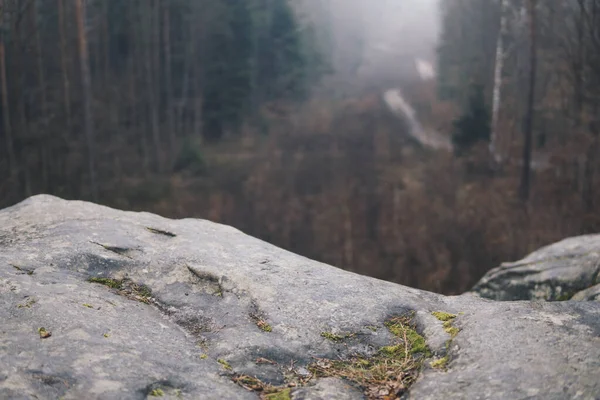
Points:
[(221, 301), (567, 270)]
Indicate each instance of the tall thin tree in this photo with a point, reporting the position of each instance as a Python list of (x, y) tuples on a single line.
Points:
[(498, 75), (86, 84), (64, 66), (529, 113), (10, 149)]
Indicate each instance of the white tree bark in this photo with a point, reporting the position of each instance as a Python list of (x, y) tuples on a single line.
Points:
[(498, 71)]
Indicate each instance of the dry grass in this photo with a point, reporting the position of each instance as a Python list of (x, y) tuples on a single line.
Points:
[(386, 375)]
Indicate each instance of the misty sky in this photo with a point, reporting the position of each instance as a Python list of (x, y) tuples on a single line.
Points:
[(372, 35)]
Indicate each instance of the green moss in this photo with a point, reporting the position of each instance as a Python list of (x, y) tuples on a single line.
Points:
[(203, 356), (443, 316), (126, 288), (363, 363), (332, 336), (451, 330), (31, 301), (448, 319), (371, 328), (88, 305), (284, 394), (336, 338), (157, 393), (401, 327), (264, 326), (440, 363), (111, 283), (225, 364), (417, 343), (394, 366), (392, 351), (144, 291), (44, 333), (106, 335), (395, 327)]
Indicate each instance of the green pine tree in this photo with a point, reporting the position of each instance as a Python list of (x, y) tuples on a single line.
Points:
[(228, 73)]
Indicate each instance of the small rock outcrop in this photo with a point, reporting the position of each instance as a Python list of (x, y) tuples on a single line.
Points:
[(97, 303), (567, 270)]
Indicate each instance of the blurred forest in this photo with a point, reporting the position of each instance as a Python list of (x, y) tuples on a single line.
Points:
[(268, 115)]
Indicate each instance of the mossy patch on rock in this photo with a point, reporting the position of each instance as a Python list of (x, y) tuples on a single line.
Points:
[(262, 324), (385, 375), (125, 287), (44, 334), (448, 320), (335, 337), (225, 364), (284, 394), (440, 363), (443, 316), (111, 283), (403, 328), (30, 302), (451, 330)]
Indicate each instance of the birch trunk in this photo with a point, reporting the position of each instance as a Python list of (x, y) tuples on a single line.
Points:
[(497, 91), (64, 66)]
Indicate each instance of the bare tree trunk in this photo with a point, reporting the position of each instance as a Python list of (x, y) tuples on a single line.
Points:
[(105, 42), (44, 144), (135, 65), (10, 149), (188, 65), (23, 126), (498, 72), (152, 82), (168, 77), (155, 48), (528, 123), (64, 66), (86, 82), (39, 61), (348, 236), (579, 62)]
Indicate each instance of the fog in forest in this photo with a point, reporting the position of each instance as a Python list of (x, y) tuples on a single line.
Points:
[(376, 43)]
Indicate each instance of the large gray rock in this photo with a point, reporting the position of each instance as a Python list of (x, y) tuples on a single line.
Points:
[(211, 286), (567, 270)]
